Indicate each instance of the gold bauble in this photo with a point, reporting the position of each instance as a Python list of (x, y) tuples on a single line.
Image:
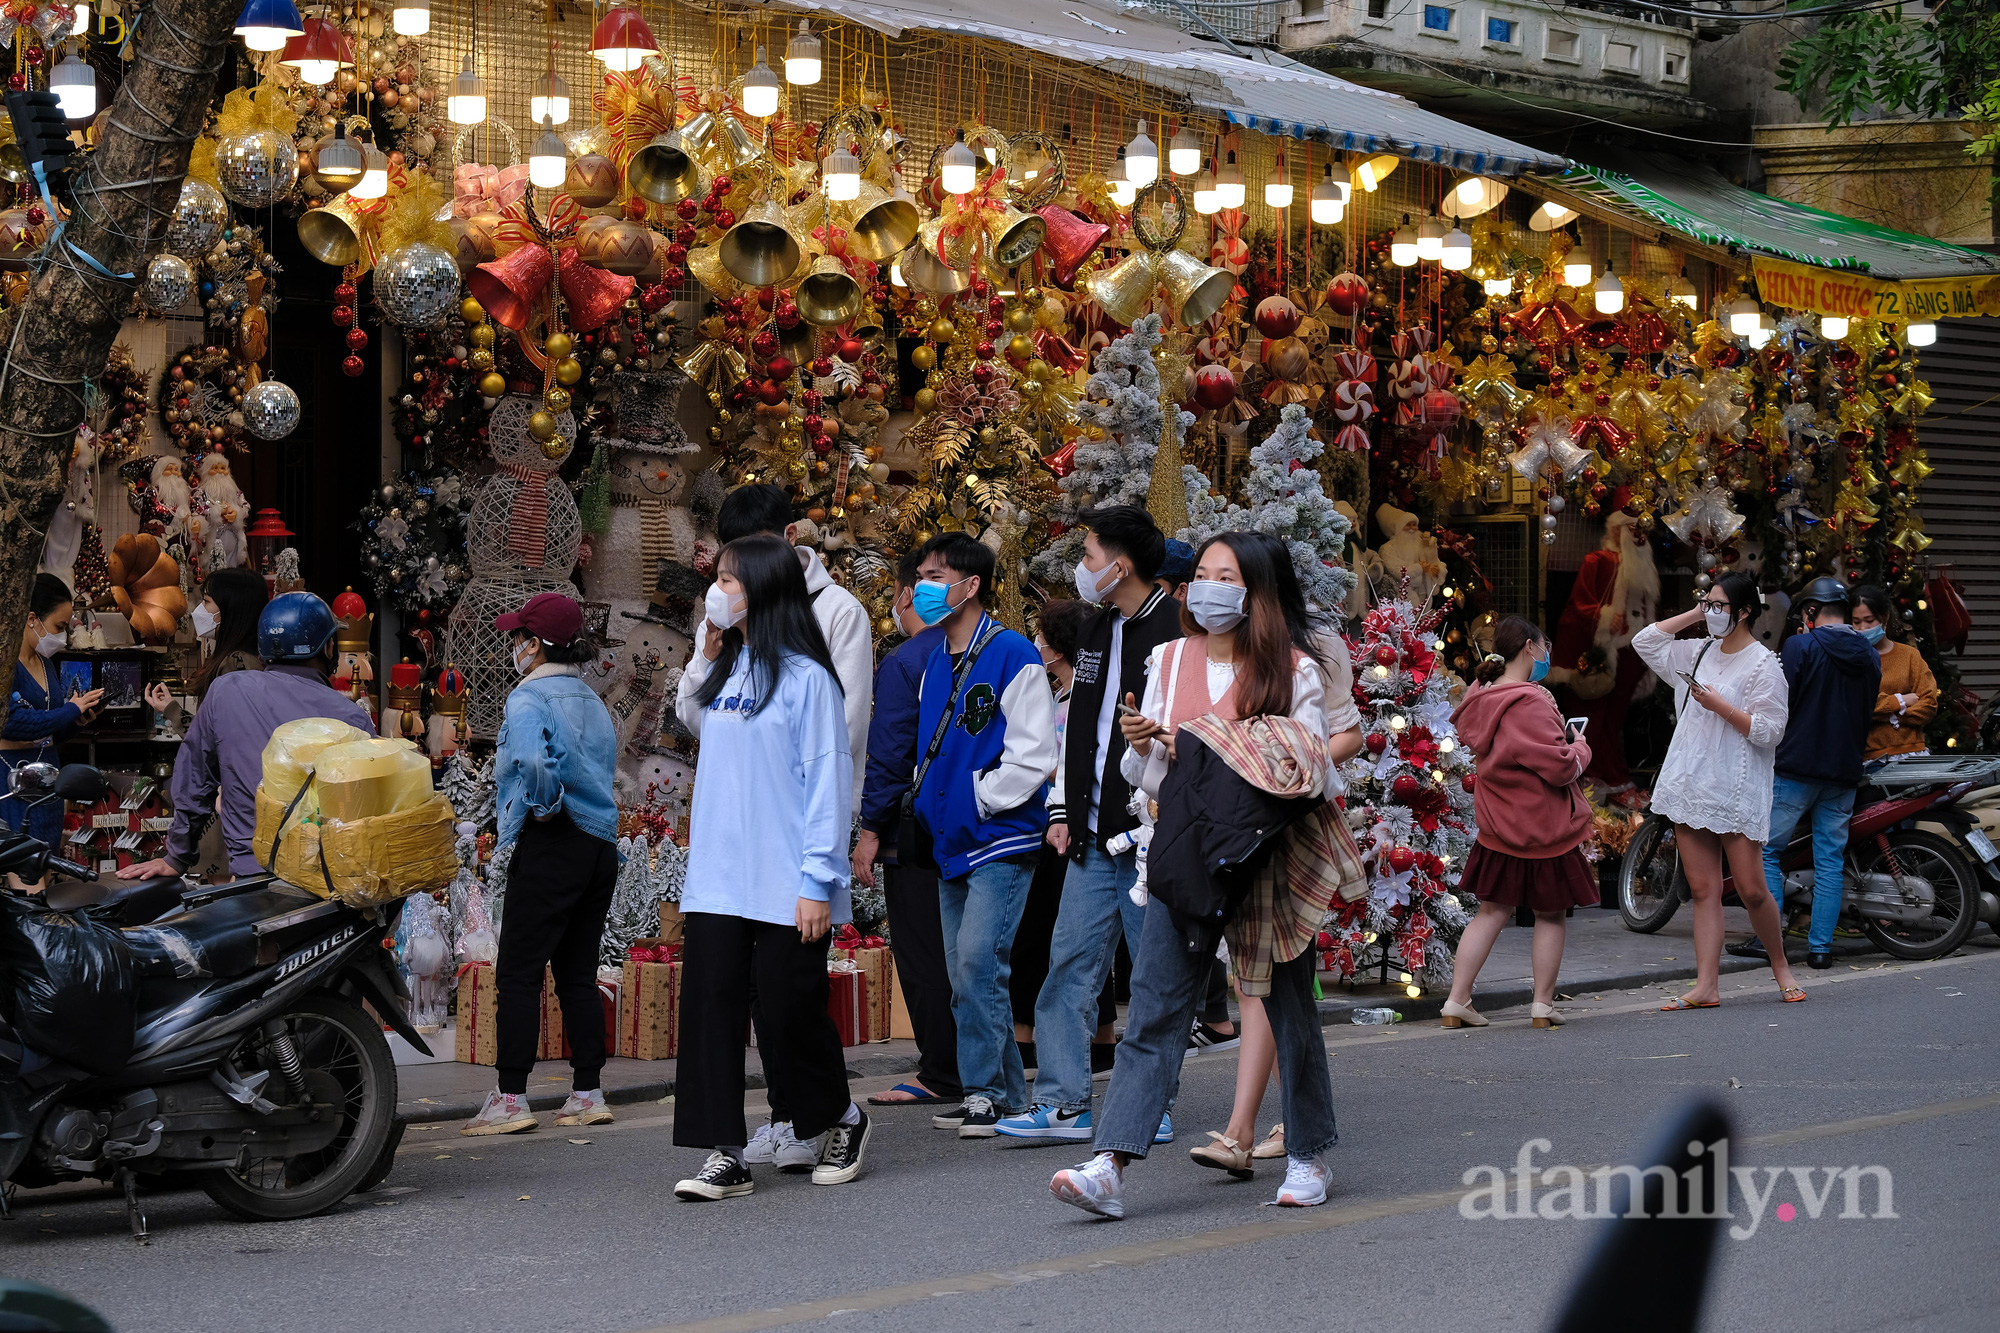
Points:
[(559, 346), (569, 370), (1032, 297), (1019, 347), (797, 467), (556, 400), (941, 330), (554, 447), (884, 627), (1020, 319), (988, 436), (481, 335), (923, 358), (724, 416), (714, 398), (480, 358), (493, 385), (926, 398), (1031, 389), (541, 425), (471, 311), (1040, 370), (715, 434)]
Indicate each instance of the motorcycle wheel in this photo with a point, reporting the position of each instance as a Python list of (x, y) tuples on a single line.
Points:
[(1649, 878), (1955, 881), (333, 1037), (386, 1162)]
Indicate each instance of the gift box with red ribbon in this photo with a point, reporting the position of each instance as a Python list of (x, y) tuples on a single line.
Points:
[(847, 1001), (475, 1039), (649, 1010)]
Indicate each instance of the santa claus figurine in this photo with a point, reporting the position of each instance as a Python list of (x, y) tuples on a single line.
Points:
[(223, 540), (170, 493), (1593, 668), (1407, 552)]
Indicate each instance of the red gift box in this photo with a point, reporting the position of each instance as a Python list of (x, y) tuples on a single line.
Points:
[(847, 1002)]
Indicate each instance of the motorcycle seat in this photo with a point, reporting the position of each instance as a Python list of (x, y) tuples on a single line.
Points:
[(126, 902), (217, 939)]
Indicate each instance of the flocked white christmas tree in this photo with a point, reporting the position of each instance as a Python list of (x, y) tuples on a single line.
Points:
[(1409, 805), (1121, 399), (1288, 502)]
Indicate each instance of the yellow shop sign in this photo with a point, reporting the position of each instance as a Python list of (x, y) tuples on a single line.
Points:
[(1826, 291)]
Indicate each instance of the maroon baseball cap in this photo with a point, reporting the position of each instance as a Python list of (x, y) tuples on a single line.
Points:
[(549, 616)]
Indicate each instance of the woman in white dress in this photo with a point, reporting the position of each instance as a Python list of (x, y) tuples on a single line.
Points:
[(1730, 702)]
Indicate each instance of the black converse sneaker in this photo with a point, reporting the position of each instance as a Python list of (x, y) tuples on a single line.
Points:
[(980, 1119), (720, 1177), (840, 1155), (951, 1119)]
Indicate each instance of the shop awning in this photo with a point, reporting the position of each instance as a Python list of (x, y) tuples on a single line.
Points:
[(1803, 258), (1259, 89)]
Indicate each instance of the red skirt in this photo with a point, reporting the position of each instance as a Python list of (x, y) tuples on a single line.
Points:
[(1541, 884)]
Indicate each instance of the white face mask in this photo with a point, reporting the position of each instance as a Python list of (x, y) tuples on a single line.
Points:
[(723, 609), (1216, 607), (1095, 585), (524, 657), (204, 620), (1720, 622), (50, 644)]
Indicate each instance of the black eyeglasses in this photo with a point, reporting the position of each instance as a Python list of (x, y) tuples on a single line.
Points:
[(1709, 604)]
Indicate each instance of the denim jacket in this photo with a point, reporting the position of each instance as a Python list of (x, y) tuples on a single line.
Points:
[(556, 752)]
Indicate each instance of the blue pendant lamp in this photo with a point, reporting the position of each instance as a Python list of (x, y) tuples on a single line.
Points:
[(266, 25)]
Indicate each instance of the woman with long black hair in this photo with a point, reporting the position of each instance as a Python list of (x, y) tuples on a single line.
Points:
[(1245, 693), (37, 715), (767, 873)]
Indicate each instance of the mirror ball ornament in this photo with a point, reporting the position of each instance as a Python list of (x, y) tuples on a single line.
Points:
[(169, 283), (271, 410), (256, 168), (416, 285), (197, 219)]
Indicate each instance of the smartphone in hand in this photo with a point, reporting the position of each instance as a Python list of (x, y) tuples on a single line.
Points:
[(1576, 726)]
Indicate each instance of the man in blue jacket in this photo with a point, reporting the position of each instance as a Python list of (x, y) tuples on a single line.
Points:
[(911, 877), (1835, 676), (986, 738)]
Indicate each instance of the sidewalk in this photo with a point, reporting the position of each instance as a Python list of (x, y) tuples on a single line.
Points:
[(1601, 955)]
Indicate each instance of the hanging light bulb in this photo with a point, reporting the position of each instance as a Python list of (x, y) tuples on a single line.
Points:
[(1577, 270), (1921, 334), (1403, 245), (318, 52), (1329, 199), (1743, 313), (1608, 294), (1229, 183), (761, 89), (80, 24), (1374, 171), (1500, 285), (266, 25), (802, 56), (339, 157), (1184, 154), (374, 182), (1833, 327), (467, 103), (1430, 239), (960, 169), (1123, 192), (622, 41), (1471, 190), (1205, 200), (896, 273), (1682, 293), (75, 87), (1766, 328), (1456, 252), (411, 18), (550, 101), (548, 160), (841, 173), (1278, 190), (1142, 160)]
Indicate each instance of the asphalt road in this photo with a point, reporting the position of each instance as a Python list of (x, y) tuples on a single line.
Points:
[(1895, 1066)]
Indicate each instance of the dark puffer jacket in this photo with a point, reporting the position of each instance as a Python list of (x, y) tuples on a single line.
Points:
[(1214, 833)]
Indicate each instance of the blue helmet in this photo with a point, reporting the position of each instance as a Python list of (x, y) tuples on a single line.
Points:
[(294, 627)]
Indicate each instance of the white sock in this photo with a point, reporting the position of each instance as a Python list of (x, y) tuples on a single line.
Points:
[(735, 1152), (852, 1115)]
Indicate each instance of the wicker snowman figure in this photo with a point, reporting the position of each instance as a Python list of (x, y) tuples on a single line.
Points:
[(521, 539), (649, 522)]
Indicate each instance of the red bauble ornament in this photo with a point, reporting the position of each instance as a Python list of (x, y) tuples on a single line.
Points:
[(1385, 655), (343, 315), (982, 373), (771, 393), (786, 316), (780, 367), (1402, 859), (687, 210), (344, 293), (1277, 317), (725, 218), (356, 339), (1214, 387), (764, 343), (1374, 742), (851, 350), (813, 424), (1469, 781), (984, 351), (1347, 293), (352, 366), (1404, 787)]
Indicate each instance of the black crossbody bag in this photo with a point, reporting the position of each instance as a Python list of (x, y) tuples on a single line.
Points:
[(950, 712)]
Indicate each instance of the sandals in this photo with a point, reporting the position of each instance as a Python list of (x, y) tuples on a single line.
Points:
[(1273, 1144), (1224, 1154), (1683, 1002), (1792, 994), (918, 1096)]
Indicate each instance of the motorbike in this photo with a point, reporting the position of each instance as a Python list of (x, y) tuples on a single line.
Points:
[(253, 1066), (1916, 861)]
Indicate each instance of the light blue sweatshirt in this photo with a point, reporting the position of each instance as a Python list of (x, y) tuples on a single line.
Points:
[(773, 796)]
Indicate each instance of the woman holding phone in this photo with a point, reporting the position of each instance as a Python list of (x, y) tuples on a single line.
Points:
[(1532, 819), (1731, 703), (37, 717)]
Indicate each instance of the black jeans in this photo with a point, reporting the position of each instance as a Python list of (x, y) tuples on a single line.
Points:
[(916, 938), (558, 892), (796, 1037)]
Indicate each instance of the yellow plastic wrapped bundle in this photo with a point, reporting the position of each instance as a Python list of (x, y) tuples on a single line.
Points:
[(377, 775), (290, 755)]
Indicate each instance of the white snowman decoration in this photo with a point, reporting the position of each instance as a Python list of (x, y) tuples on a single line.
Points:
[(650, 522)]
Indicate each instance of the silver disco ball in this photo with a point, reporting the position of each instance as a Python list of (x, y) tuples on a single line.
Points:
[(416, 285), (256, 168), (198, 219), (271, 410), (169, 283)]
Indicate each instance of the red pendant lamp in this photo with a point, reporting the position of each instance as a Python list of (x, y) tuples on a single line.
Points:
[(319, 52), (622, 41)]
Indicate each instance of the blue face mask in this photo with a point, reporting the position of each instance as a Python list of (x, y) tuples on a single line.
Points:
[(1539, 670), (932, 601), (1875, 634)]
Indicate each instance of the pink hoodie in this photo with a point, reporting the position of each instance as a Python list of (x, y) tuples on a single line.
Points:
[(1525, 797)]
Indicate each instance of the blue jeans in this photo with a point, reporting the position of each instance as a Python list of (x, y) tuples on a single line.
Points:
[(981, 912), (1831, 805), (1096, 898), (1168, 979)]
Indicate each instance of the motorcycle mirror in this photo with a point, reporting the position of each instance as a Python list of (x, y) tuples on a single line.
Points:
[(79, 782), (35, 778)]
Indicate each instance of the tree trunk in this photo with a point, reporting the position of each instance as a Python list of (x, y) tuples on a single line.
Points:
[(61, 335)]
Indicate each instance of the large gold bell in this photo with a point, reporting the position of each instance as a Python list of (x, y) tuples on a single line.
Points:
[(1123, 289), (923, 270), (829, 295), (735, 145), (706, 265), (332, 234), (880, 225), (762, 248), (867, 325), (1193, 290), (664, 171), (1015, 235)]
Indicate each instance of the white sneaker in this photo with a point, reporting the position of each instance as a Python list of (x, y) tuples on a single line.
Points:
[(503, 1113), (763, 1145), (1096, 1186), (1305, 1184), (777, 1145), (585, 1108)]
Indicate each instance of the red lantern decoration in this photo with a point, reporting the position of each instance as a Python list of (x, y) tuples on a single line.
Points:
[(1385, 655), (1469, 781)]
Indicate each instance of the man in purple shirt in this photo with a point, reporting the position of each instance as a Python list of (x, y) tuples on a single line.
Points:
[(224, 749)]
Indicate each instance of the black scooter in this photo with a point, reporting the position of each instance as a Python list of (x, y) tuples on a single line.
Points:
[(253, 1063)]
